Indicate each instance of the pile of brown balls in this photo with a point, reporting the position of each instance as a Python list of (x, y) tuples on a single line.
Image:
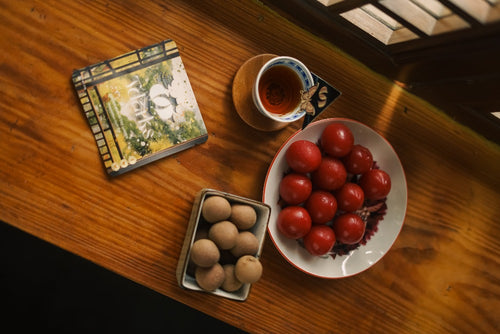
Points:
[(223, 254)]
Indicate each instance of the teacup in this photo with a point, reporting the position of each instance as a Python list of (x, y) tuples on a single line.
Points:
[(277, 89)]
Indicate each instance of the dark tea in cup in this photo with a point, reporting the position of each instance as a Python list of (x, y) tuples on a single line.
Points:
[(276, 91), (279, 89)]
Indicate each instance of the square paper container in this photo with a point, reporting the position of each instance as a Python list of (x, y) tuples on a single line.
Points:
[(188, 281)]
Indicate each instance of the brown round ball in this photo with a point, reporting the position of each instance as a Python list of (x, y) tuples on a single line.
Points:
[(248, 269), (243, 216), (230, 283), (205, 253), (224, 234), (246, 244), (210, 278), (215, 208)]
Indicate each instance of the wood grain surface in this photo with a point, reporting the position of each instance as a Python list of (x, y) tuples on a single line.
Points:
[(441, 276), (243, 82)]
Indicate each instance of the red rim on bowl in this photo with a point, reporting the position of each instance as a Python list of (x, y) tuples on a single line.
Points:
[(389, 227)]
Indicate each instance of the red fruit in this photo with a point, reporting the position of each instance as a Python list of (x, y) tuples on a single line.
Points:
[(321, 206), (295, 188), (319, 240), (303, 156), (330, 175), (376, 184), (349, 228), (337, 140), (350, 197), (294, 222), (359, 160)]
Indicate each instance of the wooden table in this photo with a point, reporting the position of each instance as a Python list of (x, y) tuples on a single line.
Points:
[(441, 275)]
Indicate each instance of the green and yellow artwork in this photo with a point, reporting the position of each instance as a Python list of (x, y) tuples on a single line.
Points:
[(143, 104)]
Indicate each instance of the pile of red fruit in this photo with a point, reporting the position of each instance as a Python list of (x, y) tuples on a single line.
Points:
[(330, 192)]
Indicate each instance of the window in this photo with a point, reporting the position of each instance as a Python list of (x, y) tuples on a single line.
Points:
[(445, 51), (396, 21)]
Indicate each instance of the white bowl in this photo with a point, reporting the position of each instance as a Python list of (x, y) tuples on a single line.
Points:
[(389, 227)]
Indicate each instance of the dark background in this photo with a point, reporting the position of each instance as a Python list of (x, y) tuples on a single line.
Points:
[(45, 288)]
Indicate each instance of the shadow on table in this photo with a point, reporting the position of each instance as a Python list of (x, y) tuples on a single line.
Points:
[(43, 287)]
